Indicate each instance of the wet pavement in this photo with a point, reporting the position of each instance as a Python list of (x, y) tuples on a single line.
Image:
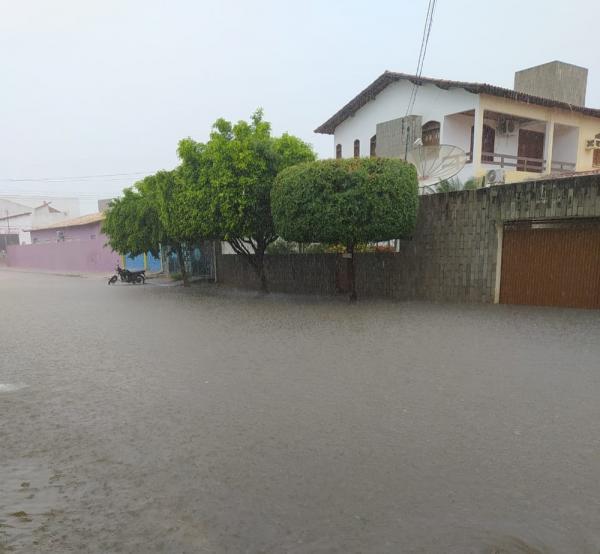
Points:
[(143, 419)]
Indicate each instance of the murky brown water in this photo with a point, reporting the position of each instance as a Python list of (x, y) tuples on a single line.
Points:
[(163, 420)]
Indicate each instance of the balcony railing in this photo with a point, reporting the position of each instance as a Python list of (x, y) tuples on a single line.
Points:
[(562, 166), (521, 163)]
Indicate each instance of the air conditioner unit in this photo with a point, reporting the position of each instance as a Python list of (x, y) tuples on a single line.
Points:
[(505, 126), (495, 177), (592, 144)]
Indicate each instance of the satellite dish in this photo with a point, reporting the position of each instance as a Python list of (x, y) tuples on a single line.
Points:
[(436, 163)]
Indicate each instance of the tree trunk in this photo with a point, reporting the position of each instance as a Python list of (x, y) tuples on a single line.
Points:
[(350, 270), (259, 259), (254, 256), (182, 268)]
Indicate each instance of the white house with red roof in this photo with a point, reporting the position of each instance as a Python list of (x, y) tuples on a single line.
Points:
[(540, 127)]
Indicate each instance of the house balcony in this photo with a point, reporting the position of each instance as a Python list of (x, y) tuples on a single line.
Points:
[(523, 147), (522, 163)]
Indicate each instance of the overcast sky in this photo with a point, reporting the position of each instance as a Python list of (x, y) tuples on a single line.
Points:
[(109, 86)]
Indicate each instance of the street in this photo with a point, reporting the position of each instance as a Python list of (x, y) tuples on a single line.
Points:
[(142, 419)]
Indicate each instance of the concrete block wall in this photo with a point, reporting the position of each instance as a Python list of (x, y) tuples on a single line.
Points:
[(396, 137), (291, 273), (453, 255), (458, 233)]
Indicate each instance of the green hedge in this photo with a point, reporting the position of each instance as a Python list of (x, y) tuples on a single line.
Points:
[(348, 201)]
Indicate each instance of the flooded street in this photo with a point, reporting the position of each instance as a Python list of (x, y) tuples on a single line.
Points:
[(155, 419)]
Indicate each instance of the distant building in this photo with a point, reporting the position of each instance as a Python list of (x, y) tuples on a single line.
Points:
[(19, 214), (104, 203), (74, 245), (86, 227), (540, 127)]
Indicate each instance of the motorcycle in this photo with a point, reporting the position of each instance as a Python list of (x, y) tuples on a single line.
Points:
[(127, 276)]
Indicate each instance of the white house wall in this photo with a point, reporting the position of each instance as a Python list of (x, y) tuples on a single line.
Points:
[(432, 103), (63, 204), (457, 131), (42, 217), (17, 224), (565, 143)]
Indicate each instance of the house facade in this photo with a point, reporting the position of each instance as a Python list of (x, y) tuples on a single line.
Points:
[(540, 127), (19, 214), (75, 245)]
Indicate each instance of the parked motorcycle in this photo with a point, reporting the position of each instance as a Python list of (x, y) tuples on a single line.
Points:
[(127, 276)]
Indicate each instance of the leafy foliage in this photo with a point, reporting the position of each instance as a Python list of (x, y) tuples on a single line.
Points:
[(132, 222), (228, 182), (221, 190), (280, 246), (347, 201), (141, 220), (451, 185)]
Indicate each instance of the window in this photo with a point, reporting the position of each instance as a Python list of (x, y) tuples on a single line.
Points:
[(430, 133), (357, 148), (373, 146), (338, 151)]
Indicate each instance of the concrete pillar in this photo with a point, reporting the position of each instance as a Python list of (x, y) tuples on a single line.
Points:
[(548, 145), (477, 139)]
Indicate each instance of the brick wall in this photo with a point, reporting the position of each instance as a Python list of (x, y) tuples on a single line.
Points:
[(453, 254)]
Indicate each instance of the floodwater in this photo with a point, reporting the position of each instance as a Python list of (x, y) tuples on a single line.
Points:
[(142, 419)]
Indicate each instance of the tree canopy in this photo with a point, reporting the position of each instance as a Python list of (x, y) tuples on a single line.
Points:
[(140, 221), (221, 190), (347, 201), (132, 222), (224, 186)]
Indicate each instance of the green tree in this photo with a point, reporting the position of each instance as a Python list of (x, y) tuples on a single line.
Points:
[(453, 184), (233, 174), (132, 224), (177, 216), (449, 185), (135, 223), (348, 201)]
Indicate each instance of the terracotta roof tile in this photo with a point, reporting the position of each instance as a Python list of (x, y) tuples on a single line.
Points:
[(83, 220), (389, 77)]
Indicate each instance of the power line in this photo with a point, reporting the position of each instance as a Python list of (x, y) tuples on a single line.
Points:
[(422, 52), (113, 176), (42, 194)]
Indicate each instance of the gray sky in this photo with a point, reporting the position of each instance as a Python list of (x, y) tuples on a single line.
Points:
[(109, 86)]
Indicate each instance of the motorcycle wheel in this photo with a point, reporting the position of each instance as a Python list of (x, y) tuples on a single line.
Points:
[(138, 279), (112, 280)]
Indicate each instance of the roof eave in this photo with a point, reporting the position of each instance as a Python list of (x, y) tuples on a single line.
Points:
[(388, 77)]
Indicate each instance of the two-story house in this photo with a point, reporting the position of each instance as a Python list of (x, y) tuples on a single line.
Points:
[(540, 127)]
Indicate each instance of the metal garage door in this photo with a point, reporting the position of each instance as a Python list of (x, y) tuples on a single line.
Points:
[(551, 264)]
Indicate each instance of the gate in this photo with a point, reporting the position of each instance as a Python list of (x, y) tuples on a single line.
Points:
[(199, 260), (551, 263)]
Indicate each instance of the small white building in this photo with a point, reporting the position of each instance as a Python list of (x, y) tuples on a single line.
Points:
[(540, 127), (19, 214)]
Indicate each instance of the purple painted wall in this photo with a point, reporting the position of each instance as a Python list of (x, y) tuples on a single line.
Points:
[(77, 252), (80, 232)]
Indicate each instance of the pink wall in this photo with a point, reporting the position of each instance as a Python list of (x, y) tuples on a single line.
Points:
[(78, 252), (80, 232)]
